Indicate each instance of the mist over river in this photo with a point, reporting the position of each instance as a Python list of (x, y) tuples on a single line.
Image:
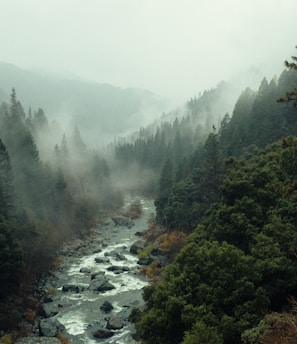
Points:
[(107, 254)]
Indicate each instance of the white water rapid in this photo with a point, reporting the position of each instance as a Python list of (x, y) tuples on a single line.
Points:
[(80, 312)]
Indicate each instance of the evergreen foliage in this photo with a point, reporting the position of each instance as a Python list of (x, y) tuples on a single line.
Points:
[(43, 204), (239, 263)]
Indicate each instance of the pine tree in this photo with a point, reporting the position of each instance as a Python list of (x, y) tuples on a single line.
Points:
[(290, 96), (6, 184)]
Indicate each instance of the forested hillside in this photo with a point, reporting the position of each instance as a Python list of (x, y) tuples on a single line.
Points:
[(43, 202), (225, 196), (175, 137), (102, 111), (235, 279)]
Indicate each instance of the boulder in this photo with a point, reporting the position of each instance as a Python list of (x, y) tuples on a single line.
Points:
[(137, 246), (97, 250), (145, 261), (123, 221), (73, 287), (118, 268), (49, 310), (100, 284), (102, 333), (49, 327), (120, 256), (114, 322), (102, 260), (85, 270), (139, 233), (97, 274), (161, 260), (115, 254), (106, 307)]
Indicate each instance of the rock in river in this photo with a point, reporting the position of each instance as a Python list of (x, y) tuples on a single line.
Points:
[(100, 284), (106, 307), (101, 334), (137, 246), (73, 287), (102, 260), (50, 327), (114, 323), (118, 269), (49, 310)]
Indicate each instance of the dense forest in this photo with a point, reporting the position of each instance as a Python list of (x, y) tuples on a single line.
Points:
[(235, 278), (44, 202), (225, 195)]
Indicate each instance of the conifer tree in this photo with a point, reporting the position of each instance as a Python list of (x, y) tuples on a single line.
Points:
[(290, 96), (6, 183)]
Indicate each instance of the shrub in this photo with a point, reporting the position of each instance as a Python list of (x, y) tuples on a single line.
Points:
[(52, 291), (30, 315), (152, 272), (171, 244), (62, 338), (6, 339), (145, 252)]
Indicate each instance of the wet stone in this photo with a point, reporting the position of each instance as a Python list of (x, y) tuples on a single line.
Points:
[(106, 307), (50, 327), (115, 254), (49, 310), (97, 274), (85, 270), (137, 246), (120, 269), (114, 323), (73, 287), (100, 284), (97, 250), (102, 334), (102, 260)]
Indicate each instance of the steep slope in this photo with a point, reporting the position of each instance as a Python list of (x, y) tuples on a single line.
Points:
[(102, 111)]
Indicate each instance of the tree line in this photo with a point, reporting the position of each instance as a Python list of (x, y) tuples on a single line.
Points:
[(43, 202), (236, 198)]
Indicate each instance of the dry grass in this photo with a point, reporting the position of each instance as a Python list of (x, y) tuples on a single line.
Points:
[(280, 328), (153, 272)]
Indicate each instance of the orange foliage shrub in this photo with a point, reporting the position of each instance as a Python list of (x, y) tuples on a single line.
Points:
[(152, 272), (30, 315), (170, 244), (63, 339), (283, 329)]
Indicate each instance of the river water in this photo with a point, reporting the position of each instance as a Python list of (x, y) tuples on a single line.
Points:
[(80, 312)]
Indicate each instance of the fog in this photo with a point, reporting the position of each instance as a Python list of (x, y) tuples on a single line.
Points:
[(174, 48)]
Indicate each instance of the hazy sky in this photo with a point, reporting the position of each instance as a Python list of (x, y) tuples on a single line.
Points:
[(175, 48)]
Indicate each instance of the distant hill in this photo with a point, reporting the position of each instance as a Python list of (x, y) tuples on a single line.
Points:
[(101, 111)]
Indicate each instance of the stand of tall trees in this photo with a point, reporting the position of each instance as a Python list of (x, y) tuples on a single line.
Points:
[(43, 203), (236, 194)]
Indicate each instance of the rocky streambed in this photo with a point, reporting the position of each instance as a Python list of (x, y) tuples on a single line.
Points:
[(89, 298)]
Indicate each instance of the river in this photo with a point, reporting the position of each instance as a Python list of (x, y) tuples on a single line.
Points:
[(79, 311)]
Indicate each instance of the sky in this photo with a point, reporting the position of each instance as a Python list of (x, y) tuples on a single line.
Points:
[(175, 48)]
